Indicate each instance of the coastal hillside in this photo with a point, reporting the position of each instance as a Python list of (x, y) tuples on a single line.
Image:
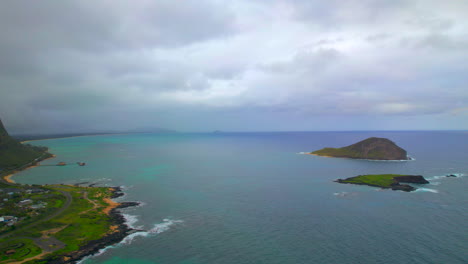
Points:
[(13, 154), (372, 148)]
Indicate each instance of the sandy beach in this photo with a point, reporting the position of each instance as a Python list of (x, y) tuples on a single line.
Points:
[(111, 204), (8, 178)]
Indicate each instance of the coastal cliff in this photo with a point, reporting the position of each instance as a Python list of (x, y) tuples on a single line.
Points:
[(372, 148)]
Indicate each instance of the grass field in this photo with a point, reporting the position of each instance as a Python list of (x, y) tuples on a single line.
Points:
[(80, 223), (382, 180), (18, 249)]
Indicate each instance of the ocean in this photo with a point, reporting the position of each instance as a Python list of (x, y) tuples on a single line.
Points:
[(252, 198)]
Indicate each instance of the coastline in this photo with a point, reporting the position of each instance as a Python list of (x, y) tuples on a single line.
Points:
[(118, 228), (90, 135), (117, 232), (8, 178), (325, 156)]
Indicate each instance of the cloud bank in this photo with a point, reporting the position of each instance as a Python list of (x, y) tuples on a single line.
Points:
[(257, 65)]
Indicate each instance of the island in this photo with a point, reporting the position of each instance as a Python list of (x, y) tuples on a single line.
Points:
[(373, 148), (53, 223), (386, 181)]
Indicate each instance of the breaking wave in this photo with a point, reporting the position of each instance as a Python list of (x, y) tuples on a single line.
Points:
[(427, 190), (157, 229), (438, 177), (130, 221)]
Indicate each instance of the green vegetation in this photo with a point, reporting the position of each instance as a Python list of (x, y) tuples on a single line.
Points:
[(81, 220), (391, 181), (18, 249), (14, 155), (40, 222), (339, 152), (371, 148), (380, 180)]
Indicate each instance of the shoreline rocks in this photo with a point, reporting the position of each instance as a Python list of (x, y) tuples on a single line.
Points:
[(118, 234)]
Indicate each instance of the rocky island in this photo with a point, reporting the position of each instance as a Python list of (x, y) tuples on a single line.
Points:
[(373, 148), (387, 181)]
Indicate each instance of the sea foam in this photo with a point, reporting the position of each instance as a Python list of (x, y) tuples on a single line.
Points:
[(427, 190), (131, 220), (157, 229)]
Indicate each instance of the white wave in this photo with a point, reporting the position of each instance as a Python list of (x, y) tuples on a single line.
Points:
[(303, 153), (438, 177), (130, 221), (100, 252), (341, 194), (157, 229), (427, 190)]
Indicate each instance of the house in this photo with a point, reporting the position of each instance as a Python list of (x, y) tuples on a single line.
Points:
[(38, 206), (31, 191), (11, 191), (25, 202), (8, 218)]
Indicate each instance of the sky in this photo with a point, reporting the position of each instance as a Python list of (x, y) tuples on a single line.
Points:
[(244, 65)]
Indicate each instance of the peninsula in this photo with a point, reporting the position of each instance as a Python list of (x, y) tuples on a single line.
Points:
[(52, 223), (373, 148), (387, 181)]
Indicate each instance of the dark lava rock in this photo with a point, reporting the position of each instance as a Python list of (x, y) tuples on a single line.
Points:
[(402, 187), (451, 175), (93, 247), (411, 179)]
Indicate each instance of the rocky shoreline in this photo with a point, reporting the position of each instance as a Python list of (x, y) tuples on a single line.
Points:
[(121, 231)]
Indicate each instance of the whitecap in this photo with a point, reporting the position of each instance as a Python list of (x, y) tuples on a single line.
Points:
[(427, 190), (157, 229), (130, 220), (340, 194), (438, 177)]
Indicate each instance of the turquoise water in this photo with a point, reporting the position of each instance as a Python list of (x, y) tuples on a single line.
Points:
[(250, 198)]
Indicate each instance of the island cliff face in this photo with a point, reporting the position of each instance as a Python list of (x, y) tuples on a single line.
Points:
[(372, 148)]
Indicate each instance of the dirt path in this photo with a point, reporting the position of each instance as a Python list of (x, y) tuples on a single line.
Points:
[(95, 205), (28, 259)]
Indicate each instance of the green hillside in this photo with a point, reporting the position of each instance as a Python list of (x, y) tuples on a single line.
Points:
[(14, 155)]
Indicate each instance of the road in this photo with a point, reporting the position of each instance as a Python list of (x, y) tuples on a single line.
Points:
[(67, 203)]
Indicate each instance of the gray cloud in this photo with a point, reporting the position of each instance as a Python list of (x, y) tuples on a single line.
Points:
[(243, 65)]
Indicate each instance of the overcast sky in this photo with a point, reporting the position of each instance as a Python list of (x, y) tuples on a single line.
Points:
[(253, 65)]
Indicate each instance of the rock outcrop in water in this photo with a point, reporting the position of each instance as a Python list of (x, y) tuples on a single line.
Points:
[(387, 181), (372, 148)]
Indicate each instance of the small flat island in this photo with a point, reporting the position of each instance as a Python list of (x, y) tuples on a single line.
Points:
[(387, 181), (372, 148)]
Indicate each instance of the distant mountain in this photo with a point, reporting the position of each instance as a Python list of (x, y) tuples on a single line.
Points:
[(13, 154), (372, 148)]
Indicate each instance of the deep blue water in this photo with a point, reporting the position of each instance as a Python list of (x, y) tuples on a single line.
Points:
[(250, 198)]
